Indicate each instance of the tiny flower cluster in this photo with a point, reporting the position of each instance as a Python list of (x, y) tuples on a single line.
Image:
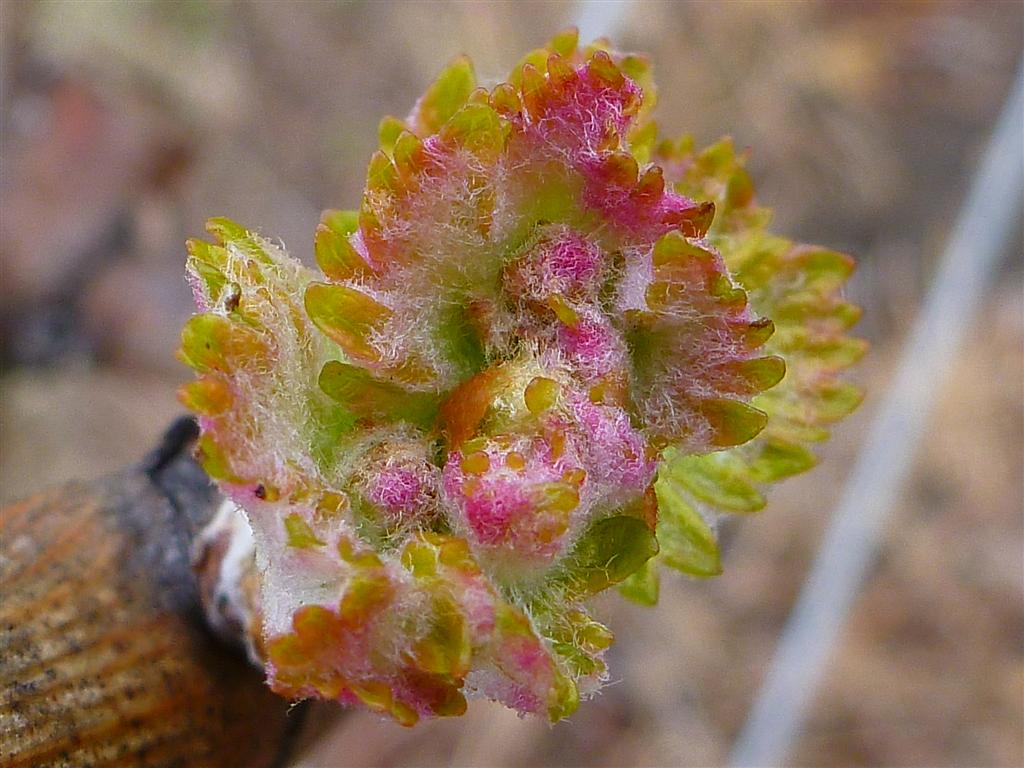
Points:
[(543, 356)]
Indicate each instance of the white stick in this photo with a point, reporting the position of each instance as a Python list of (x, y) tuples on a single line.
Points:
[(980, 238)]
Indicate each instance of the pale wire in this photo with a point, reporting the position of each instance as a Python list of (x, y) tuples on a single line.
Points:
[(981, 237)]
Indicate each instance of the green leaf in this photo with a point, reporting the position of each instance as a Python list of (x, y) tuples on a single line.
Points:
[(537, 58), (778, 459), (830, 351), (225, 230), (564, 43), (641, 586), (836, 400), (459, 338), (564, 698), (389, 130), (330, 421), (761, 373), (686, 540), (720, 479), (209, 395), (212, 342), (371, 398), (608, 551), (824, 270), (209, 263), (732, 422), (381, 173), (300, 535), (335, 255), (234, 234), (445, 96), (641, 141), (478, 128), (214, 460), (342, 222), (345, 315)]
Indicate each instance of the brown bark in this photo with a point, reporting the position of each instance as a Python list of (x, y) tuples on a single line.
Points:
[(104, 655)]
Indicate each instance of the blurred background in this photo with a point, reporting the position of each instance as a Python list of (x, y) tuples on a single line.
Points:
[(125, 125)]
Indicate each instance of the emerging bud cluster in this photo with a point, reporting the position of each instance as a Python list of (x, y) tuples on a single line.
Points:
[(547, 351)]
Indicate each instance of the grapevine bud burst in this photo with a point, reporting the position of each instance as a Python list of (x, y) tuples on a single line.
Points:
[(540, 360)]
